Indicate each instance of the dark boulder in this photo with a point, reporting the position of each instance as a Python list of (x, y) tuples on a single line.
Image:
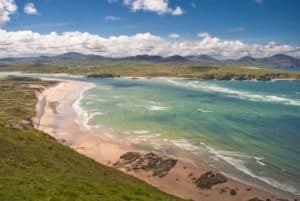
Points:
[(209, 179)]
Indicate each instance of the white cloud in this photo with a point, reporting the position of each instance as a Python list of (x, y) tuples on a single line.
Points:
[(174, 35), (158, 6), (7, 8), (112, 18), (203, 35), (30, 9), (28, 43), (177, 11)]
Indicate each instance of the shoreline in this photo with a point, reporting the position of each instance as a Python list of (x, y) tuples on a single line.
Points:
[(58, 119)]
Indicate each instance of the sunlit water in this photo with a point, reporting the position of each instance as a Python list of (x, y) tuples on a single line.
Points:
[(249, 130)]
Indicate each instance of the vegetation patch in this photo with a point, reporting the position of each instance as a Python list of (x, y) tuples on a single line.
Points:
[(33, 166)]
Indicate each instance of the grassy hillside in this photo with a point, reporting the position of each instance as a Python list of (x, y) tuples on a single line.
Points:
[(147, 69), (33, 166)]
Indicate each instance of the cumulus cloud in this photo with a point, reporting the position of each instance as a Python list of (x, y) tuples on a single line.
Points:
[(112, 18), (7, 8), (28, 43), (158, 6), (174, 35), (30, 9), (177, 11), (203, 35)]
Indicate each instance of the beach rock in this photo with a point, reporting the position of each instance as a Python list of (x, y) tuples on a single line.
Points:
[(163, 174), (127, 158), (209, 179), (149, 162), (130, 157), (164, 166), (255, 199), (233, 192)]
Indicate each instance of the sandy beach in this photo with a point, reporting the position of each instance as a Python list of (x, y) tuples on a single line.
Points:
[(56, 116)]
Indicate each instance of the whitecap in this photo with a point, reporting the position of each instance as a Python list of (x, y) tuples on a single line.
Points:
[(203, 110), (185, 145), (139, 132), (157, 108), (239, 164), (83, 117), (208, 87)]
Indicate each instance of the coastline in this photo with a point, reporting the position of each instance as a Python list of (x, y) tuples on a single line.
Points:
[(58, 118)]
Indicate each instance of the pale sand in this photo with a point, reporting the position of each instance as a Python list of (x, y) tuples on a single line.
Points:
[(57, 117)]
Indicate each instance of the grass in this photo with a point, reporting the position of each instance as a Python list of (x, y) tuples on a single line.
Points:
[(33, 166), (147, 69)]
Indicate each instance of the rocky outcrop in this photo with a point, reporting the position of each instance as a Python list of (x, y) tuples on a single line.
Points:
[(209, 179), (159, 166)]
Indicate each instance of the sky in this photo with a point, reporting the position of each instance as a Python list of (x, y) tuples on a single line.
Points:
[(117, 28)]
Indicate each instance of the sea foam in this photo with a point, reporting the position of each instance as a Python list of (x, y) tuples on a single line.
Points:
[(84, 117), (236, 160), (208, 87), (157, 108)]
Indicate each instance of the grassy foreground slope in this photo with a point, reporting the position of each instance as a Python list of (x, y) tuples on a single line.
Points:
[(148, 69), (33, 166)]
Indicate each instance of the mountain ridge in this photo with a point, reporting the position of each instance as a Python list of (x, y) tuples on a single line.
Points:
[(277, 60)]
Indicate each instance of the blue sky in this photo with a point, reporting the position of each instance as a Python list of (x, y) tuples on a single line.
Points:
[(248, 21), (245, 20)]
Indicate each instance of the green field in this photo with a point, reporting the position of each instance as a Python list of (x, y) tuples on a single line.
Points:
[(33, 166), (147, 69)]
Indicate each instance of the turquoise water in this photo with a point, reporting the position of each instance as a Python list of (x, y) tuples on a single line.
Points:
[(249, 130)]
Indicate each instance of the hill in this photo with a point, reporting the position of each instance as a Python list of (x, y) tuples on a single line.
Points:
[(33, 166)]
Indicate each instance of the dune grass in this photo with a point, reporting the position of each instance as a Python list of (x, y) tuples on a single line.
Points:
[(33, 166)]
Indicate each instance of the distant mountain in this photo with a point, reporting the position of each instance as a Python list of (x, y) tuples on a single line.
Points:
[(279, 60), (74, 56), (282, 60), (204, 59), (246, 59), (175, 58), (77, 57), (143, 58)]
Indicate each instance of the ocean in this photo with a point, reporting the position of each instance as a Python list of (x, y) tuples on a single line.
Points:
[(249, 130)]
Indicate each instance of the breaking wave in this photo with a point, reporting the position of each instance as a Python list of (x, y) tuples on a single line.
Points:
[(208, 87)]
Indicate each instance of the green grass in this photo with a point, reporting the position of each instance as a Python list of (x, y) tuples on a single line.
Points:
[(33, 166), (147, 69)]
